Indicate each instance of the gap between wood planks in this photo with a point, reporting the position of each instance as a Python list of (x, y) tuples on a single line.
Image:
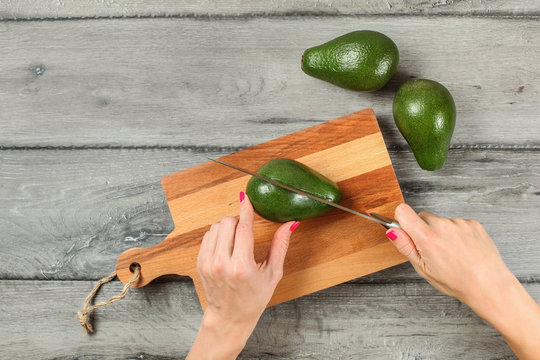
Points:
[(227, 149), (166, 279), (70, 9), (535, 15), (364, 280)]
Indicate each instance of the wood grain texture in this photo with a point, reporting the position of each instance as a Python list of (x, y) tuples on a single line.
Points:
[(194, 84), (52, 9), (328, 250), (160, 321), (107, 201)]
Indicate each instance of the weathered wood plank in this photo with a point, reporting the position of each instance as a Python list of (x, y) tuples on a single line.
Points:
[(192, 82), (367, 321), (52, 9), (69, 214)]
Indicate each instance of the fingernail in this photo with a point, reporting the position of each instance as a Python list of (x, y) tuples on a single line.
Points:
[(294, 226), (242, 196), (392, 235)]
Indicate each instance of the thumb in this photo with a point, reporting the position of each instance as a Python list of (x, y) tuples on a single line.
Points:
[(404, 244), (280, 244)]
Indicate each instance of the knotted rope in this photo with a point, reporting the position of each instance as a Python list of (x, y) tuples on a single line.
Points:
[(83, 315)]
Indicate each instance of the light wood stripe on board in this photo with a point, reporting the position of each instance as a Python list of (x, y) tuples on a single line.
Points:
[(221, 200)]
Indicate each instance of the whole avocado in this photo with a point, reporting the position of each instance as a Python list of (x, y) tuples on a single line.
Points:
[(425, 114), (280, 205), (361, 60)]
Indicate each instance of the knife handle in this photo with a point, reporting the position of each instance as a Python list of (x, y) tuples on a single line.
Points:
[(390, 223)]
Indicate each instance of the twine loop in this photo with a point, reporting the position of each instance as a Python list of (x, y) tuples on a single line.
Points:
[(83, 315)]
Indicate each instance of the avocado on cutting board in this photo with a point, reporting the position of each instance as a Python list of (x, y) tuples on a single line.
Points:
[(280, 205), (325, 250)]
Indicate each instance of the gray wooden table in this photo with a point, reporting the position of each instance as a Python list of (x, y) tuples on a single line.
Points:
[(100, 99)]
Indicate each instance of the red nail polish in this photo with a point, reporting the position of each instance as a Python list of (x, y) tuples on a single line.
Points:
[(392, 235), (242, 196), (294, 226)]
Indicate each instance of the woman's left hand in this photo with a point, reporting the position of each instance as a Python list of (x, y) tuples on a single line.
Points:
[(237, 287)]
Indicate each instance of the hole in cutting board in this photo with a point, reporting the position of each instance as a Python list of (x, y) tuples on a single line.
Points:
[(133, 266)]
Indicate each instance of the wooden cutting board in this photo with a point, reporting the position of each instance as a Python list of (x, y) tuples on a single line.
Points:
[(324, 251)]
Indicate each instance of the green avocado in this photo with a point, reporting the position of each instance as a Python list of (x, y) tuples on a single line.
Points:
[(281, 205), (425, 114), (361, 60)]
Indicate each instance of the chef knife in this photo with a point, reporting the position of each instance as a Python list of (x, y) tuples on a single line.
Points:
[(379, 219)]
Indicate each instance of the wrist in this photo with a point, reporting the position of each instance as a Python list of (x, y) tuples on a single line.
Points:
[(220, 338), (495, 301), (509, 308), (231, 336)]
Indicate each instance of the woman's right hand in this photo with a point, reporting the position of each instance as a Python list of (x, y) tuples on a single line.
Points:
[(459, 258), (456, 256)]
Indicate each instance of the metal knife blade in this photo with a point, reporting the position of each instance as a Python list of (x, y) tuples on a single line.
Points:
[(379, 219)]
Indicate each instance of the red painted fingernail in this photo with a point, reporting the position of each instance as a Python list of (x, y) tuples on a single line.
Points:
[(242, 196), (294, 226), (392, 235)]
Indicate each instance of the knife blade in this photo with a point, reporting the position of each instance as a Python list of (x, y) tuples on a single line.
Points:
[(379, 219)]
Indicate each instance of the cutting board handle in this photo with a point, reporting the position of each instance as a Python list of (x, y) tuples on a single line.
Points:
[(162, 259)]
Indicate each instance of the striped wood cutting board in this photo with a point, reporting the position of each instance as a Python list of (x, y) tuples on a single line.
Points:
[(324, 251)]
